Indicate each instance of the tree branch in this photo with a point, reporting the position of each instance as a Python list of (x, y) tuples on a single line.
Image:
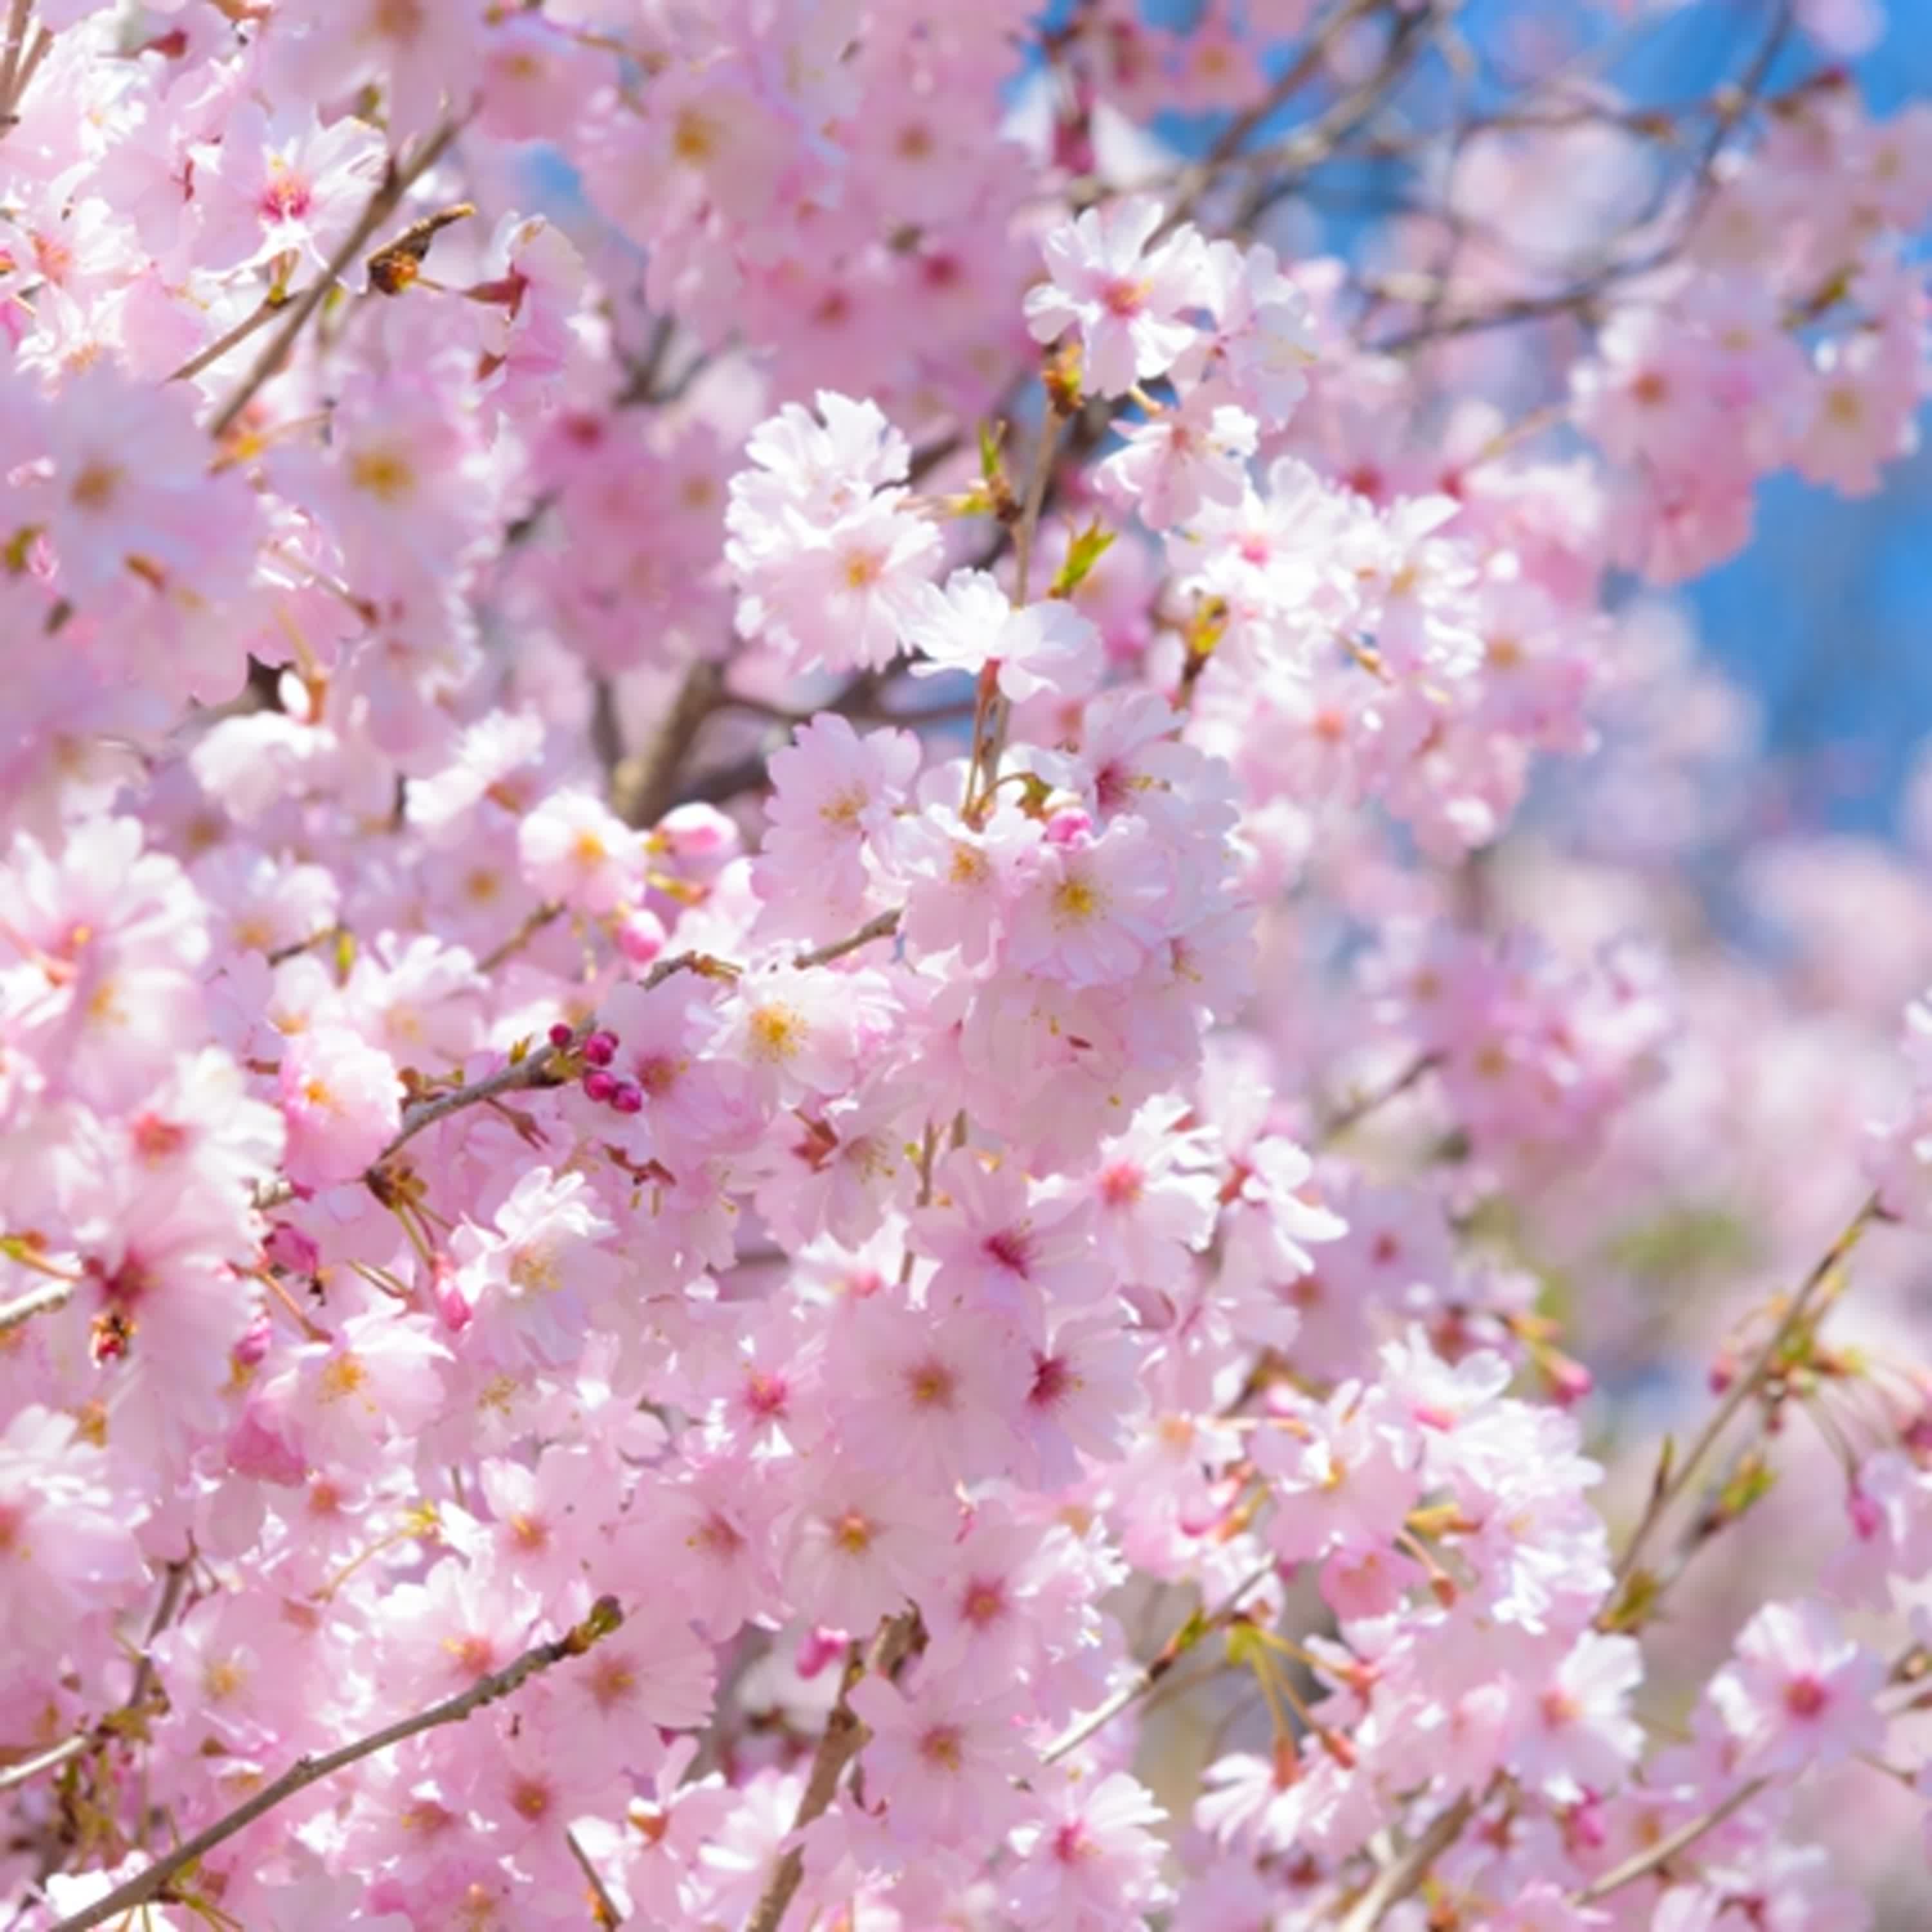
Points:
[(35, 1301), (397, 182), (1358, 1109), (1395, 1881), (608, 1916), (604, 1617), (1666, 1849), (881, 926), (646, 788), (842, 1740), (1197, 1627), (1678, 1479)]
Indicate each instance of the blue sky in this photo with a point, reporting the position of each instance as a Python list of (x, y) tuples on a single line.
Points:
[(1827, 618)]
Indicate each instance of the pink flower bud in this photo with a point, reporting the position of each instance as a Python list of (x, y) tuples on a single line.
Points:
[(640, 935), (289, 1247), (1868, 1518), (561, 1035), (451, 1303), (629, 1097), (599, 1085), (699, 832), (817, 1648), (601, 1048), (256, 1338), (255, 1448)]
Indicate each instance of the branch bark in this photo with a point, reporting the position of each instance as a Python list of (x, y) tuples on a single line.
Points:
[(844, 1737), (144, 1885), (397, 182), (1742, 1388)]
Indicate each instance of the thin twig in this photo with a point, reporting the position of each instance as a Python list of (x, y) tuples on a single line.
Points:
[(881, 926), (607, 1914), (1357, 1110), (173, 1585), (604, 1617), (1232, 139), (534, 1069), (271, 305), (1665, 1493), (1666, 1849), (1177, 1646), (1394, 1882), (1584, 294), (544, 916), (36, 1301), (397, 182)]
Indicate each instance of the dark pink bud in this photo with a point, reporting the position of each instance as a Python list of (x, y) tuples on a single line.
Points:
[(1569, 1382), (629, 1097), (598, 1084), (451, 1303), (1868, 1518), (289, 1248), (640, 936), (561, 1035), (255, 1448), (600, 1048), (255, 1339), (817, 1648)]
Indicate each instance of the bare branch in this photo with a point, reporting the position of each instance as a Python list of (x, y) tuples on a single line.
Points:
[(882, 926), (604, 1617)]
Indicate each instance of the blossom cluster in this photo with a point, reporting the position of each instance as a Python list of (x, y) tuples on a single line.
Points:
[(791, 1129)]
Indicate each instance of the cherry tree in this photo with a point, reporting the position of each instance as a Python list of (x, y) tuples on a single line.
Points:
[(858, 1065)]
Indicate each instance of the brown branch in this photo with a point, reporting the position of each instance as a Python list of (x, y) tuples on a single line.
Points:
[(271, 305), (1201, 1625), (35, 1301), (604, 1617), (396, 181), (10, 62), (1675, 1481), (544, 916), (608, 1916), (881, 926), (1395, 1881), (1666, 1849), (536, 1069), (842, 1740), (645, 789), (1357, 1110), (174, 1585), (1583, 296), (1289, 83)]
